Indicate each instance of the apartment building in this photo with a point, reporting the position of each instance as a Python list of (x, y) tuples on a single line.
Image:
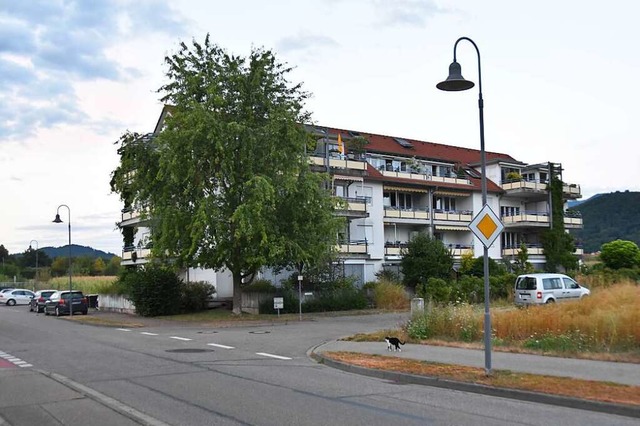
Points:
[(394, 188)]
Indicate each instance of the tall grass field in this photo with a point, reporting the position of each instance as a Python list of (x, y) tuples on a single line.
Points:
[(606, 321), (88, 285)]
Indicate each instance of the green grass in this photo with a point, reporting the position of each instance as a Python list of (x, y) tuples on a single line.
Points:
[(88, 285)]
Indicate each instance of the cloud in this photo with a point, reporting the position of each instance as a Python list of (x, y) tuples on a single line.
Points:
[(413, 13), (46, 47), (304, 43)]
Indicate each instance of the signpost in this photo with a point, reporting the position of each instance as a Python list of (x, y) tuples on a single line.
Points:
[(278, 303)]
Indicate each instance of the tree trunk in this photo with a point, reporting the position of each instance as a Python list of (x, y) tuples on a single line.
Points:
[(237, 293)]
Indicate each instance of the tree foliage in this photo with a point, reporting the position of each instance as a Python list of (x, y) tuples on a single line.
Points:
[(620, 254), (227, 181), (557, 244), (425, 258)]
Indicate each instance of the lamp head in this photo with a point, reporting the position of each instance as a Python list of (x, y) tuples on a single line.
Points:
[(57, 219), (455, 82)]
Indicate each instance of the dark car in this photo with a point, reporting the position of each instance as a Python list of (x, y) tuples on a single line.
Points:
[(37, 303), (60, 301)]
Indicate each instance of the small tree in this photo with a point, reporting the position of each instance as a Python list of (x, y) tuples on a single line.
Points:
[(425, 258), (620, 254), (521, 263)]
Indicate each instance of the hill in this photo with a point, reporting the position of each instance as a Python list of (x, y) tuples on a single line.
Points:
[(76, 251), (609, 217)]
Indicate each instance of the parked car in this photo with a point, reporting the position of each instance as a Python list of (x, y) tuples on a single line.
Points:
[(60, 301), (17, 296), (5, 289), (533, 289), (37, 303)]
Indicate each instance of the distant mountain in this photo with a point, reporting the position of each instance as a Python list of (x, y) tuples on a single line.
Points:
[(608, 217), (76, 251), (573, 203)]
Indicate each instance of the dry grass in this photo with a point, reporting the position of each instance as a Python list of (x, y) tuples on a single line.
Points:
[(388, 295), (583, 389), (609, 319)]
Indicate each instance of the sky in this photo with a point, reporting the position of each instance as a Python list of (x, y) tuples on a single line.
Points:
[(559, 82)]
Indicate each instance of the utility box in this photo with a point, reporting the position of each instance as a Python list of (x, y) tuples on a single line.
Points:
[(417, 306)]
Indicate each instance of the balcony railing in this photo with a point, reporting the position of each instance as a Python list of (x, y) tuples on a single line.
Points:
[(131, 216), (135, 254), (353, 247), (354, 205), (524, 185), (453, 215), (532, 250), (526, 217), (571, 190), (419, 176), (393, 212), (395, 248), (339, 163)]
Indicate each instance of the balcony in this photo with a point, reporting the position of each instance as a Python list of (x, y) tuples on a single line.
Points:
[(464, 216), (352, 207), (417, 176), (394, 249), (532, 250), (571, 191), (135, 255), (335, 162), (458, 250), (353, 247), (573, 220), (526, 218), (131, 217), (395, 213)]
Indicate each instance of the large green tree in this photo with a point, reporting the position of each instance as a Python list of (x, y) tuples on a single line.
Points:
[(620, 254), (230, 185), (558, 245), (425, 258)]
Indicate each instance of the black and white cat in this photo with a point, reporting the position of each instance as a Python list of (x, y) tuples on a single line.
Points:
[(393, 343)]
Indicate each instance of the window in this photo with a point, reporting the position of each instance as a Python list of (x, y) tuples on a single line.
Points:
[(569, 283), (399, 200), (526, 283), (444, 203), (551, 283)]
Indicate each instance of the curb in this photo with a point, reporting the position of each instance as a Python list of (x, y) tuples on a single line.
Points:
[(541, 398)]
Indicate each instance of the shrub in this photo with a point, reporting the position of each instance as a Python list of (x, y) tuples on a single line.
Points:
[(340, 299), (194, 296), (290, 300), (470, 289), (435, 289), (259, 286), (153, 290), (460, 322), (389, 295)]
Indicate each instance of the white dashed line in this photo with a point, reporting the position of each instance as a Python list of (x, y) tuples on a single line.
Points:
[(15, 361), (123, 329), (180, 338), (220, 346), (146, 333), (25, 365), (272, 356)]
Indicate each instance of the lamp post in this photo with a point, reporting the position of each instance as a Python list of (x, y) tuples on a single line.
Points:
[(36, 280), (58, 220), (455, 82)]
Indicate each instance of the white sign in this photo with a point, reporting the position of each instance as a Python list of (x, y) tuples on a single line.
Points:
[(278, 303), (486, 226)]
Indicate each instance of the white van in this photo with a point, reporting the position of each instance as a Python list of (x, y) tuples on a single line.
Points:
[(533, 289)]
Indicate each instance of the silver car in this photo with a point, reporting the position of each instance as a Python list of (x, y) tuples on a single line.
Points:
[(533, 289), (17, 296)]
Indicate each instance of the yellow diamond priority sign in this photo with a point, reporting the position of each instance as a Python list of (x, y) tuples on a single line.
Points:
[(486, 226)]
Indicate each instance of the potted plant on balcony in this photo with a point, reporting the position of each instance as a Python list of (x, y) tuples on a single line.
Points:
[(356, 145), (514, 177)]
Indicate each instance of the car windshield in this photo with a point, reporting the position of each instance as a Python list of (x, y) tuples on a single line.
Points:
[(74, 295), (46, 293), (526, 283)]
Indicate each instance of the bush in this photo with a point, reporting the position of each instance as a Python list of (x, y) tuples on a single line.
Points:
[(470, 289), (153, 290), (290, 300), (389, 295), (194, 296), (259, 286), (435, 289)]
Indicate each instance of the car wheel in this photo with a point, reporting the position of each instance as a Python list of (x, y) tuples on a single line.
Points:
[(30, 308), (550, 301), (57, 311), (46, 313), (11, 302)]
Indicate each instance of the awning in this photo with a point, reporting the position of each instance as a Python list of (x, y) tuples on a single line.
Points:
[(451, 228), (451, 194), (405, 189), (352, 178)]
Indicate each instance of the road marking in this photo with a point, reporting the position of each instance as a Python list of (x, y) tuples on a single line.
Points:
[(25, 365), (217, 345), (123, 329), (180, 338), (8, 358), (146, 333), (272, 356)]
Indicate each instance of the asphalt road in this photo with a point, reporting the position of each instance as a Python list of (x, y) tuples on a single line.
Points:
[(257, 375)]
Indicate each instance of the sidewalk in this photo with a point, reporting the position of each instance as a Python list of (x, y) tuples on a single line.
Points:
[(613, 372), (38, 398)]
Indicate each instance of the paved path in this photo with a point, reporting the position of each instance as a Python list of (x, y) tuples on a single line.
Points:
[(616, 372)]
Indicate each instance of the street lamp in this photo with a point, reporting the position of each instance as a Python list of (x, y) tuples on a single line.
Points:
[(58, 220), (455, 82), (36, 280)]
